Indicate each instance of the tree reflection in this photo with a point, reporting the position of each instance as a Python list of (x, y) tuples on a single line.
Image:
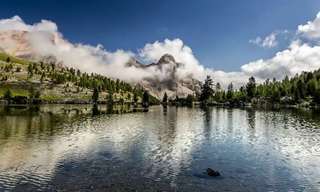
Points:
[(251, 118), (207, 121), (95, 110)]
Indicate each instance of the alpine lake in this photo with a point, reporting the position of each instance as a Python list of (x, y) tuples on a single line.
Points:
[(81, 148)]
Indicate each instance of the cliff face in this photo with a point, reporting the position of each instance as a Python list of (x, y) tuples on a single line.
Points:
[(168, 81), (15, 43), (163, 74)]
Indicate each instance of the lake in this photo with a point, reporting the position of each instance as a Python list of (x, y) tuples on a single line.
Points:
[(66, 148)]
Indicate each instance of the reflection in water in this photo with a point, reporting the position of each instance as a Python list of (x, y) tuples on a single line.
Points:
[(95, 110), (58, 147), (251, 113)]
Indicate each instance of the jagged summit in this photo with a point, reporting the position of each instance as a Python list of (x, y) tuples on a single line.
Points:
[(167, 58), (166, 79)]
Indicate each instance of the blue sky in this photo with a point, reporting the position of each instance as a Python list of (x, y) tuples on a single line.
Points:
[(218, 31)]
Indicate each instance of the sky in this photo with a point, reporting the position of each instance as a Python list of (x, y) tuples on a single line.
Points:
[(218, 31), (232, 37)]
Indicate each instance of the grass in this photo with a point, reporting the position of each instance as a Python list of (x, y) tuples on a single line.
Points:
[(4, 56), (51, 97), (14, 91)]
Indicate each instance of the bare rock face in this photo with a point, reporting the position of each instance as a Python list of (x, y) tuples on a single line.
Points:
[(15, 43), (166, 58), (18, 43), (168, 80)]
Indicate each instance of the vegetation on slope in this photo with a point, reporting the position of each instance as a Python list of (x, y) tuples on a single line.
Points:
[(53, 83)]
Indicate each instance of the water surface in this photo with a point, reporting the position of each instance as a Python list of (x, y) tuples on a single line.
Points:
[(66, 148)]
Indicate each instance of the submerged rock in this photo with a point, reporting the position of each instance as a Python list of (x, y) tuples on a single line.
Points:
[(212, 172)]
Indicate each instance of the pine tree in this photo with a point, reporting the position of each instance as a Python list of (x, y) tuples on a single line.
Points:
[(145, 99), (7, 96), (251, 88), (135, 97), (230, 92), (165, 98), (189, 100), (206, 90), (95, 95)]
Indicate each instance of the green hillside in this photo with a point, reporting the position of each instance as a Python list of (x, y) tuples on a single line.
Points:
[(57, 84)]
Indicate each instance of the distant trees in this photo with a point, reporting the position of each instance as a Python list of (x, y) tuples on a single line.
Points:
[(95, 95), (145, 99), (30, 70), (135, 97), (165, 98), (218, 96), (7, 95), (62, 75), (230, 92), (110, 99), (251, 88), (206, 90), (34, 94), (298, 89), (189, 100)]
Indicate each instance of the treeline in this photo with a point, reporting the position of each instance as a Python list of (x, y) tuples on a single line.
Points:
[(60, 75), (33, 97), (178, 101), (301, 89), (93, 81), (52, 73)]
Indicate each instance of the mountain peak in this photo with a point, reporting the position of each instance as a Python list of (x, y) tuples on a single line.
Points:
[(167, 58)]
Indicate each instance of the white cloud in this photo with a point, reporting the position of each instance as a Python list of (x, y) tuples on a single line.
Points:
[(181, 52), (295, 59), (45, 39), (17, 24), (269, 41), (298, 57), (256, 41), (310, 30)]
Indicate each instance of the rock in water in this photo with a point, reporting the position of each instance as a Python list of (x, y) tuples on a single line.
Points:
[(212, 172)]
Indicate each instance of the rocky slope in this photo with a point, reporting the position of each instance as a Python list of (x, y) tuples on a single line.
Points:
[(168, 81), (15, 43)]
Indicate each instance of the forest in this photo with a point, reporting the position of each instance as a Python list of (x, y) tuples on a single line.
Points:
[(302, 89)]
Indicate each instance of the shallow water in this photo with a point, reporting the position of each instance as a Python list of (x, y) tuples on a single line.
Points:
[(65, 148)]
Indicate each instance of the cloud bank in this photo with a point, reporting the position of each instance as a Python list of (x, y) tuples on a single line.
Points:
[(311, 30), (300, 56), (44, 39)]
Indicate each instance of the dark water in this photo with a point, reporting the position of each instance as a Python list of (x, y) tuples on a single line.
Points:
[(65, 148)]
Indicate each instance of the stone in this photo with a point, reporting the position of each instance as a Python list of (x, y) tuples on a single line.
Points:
[(212, 172)]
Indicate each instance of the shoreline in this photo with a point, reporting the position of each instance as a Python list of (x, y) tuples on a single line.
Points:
[(139, 105)]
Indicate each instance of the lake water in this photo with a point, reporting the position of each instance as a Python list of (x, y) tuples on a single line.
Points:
[(66, 148)]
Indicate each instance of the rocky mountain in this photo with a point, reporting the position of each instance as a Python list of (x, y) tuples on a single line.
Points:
[(15, 43), (168, 82), (166, 78)]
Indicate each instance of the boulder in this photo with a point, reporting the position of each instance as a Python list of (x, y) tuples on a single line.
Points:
[(212, 172)]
